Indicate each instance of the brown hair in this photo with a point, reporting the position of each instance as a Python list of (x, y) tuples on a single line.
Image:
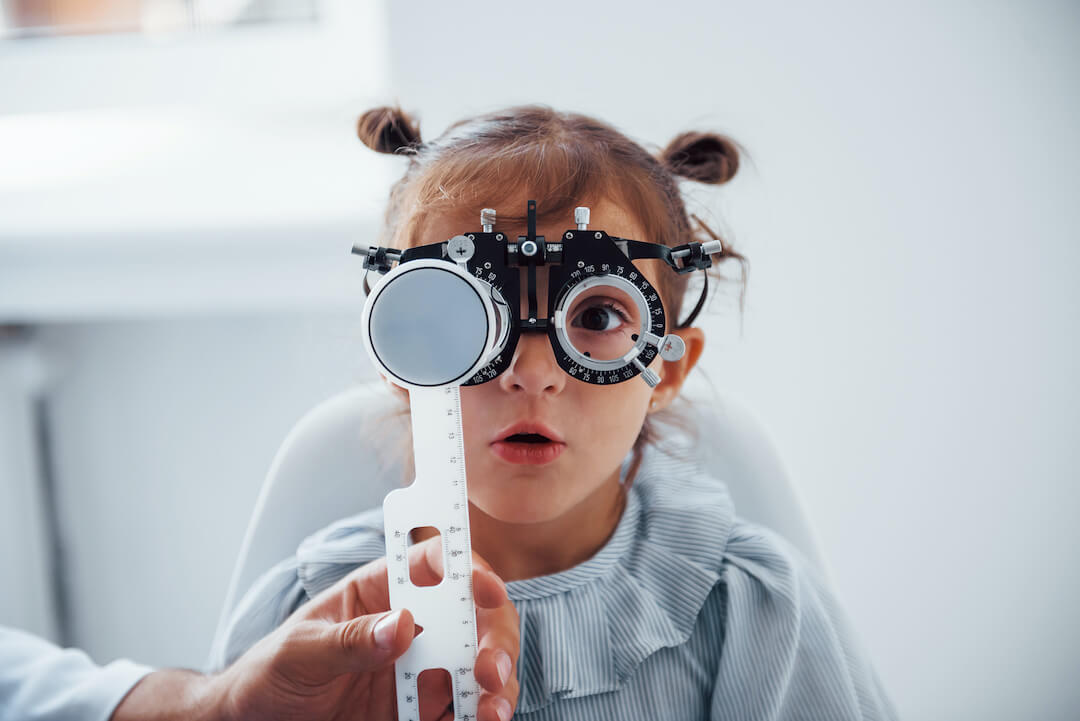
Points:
[(561, 160)]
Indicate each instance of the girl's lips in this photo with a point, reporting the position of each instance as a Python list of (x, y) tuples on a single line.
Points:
[(526, 427), (528, 453)]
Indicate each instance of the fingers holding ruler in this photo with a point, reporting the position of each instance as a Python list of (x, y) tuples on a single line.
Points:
[(438, 497)]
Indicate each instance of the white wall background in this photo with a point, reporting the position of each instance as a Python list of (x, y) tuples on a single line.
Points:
[(911, 334)]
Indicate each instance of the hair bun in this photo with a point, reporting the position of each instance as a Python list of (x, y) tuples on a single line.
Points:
[(704, 157), (388, 130)]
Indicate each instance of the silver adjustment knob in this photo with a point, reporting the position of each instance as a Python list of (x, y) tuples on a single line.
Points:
[(647, 374), (581, 217), (672, 347), (487, 219)]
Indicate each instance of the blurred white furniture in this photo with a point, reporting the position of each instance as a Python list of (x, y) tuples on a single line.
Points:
[(341, 459)]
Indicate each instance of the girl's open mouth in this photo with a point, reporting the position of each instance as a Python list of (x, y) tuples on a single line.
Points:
[(528, 448)]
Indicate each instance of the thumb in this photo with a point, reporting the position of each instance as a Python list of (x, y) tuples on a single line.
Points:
[(361, 644)]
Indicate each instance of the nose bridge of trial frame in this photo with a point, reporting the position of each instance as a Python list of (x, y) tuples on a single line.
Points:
[(529, 252)]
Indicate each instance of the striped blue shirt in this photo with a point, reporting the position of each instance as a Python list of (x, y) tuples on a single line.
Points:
[(687, 612)]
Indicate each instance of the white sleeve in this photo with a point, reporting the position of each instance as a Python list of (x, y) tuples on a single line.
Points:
[(39, 681)]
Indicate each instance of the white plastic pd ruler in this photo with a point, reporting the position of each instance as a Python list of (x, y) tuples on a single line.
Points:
[(439, 497)]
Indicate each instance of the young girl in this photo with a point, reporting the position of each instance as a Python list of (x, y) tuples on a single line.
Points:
[(640, 592)]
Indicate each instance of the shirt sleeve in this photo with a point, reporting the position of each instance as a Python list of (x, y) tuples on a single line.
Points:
[(41, 682), (265, 606), (788, 650)]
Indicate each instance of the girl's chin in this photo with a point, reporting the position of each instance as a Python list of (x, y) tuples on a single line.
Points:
[(517, 508)]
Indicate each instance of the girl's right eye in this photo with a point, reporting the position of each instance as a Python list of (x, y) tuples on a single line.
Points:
[(601, 325), (602, 317)]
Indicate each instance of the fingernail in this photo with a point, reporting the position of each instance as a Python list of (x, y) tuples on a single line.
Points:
[(502, 707), (505, 665), (386, 630)]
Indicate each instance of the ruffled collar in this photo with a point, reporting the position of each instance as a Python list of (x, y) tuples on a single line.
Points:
[(585, 630)]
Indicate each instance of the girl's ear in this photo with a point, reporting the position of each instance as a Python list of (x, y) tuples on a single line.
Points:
[(673, 373)]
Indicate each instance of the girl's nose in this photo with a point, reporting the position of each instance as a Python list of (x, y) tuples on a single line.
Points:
[(533, 368)]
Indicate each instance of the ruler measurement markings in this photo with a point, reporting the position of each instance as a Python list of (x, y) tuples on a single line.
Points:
[(439, 497)]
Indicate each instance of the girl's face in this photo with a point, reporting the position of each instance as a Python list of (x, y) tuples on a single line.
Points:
[(594, 426)]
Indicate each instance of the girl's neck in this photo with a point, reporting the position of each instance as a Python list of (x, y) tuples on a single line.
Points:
[(517, 551)]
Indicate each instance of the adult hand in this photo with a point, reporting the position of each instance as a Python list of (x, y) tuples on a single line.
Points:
[(333, 658)]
